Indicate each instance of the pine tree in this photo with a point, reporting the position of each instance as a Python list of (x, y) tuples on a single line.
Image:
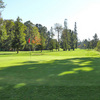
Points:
[(95, 39), (58, 29), (73, 40), (51, 42), (65, 24), (19, 35), (75, 32), (64, 40), (29, 34)]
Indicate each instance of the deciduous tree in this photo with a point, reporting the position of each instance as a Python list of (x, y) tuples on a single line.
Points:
[(3, 34)]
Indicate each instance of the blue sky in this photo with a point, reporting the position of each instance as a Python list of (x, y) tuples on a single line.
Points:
[(49, 12)]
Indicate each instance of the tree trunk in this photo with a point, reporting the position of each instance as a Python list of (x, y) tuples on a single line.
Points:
[(17, 51), (68, 49), (58, 41), (63, 49), (58, 48), (34, 48), (41, 50)]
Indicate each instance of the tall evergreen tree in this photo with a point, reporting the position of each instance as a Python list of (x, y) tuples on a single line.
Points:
[(58, 29), (64, 37), (19, 35), (29, 34), (88, 44), (51, 33), (95, 39), (73, 40), (51, 42), (65, 24), (75, 32)]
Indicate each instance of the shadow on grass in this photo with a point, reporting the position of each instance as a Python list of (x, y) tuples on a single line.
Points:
[(72, 79), (6, 54)]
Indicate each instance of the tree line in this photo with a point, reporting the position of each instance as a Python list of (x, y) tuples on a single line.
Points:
[(90, 44), (14, 35)]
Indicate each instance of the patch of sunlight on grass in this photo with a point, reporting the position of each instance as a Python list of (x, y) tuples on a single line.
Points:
[(1, 78), (51, 75), (32, 68), (19, 85), (83, 69), (76, 61), (75, 70), (1, 88), (85, 63), (39, 80), (45, 61), (67, 72)]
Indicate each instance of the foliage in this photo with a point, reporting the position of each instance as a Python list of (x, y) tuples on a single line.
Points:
[(10, 33), (44, 36), (19, 35), (36, 37), (73, 40), (3, 34), (95, 38), (89, 44), (65, 39), (75, 32), (68, 39), (51, 33), (98, 46), (40, 37), (58, 29), (42, 42), (29, 34), (2, 4), (52, 44), (36, 41)]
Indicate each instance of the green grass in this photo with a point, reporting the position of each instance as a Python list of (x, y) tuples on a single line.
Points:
[(64, 75)]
